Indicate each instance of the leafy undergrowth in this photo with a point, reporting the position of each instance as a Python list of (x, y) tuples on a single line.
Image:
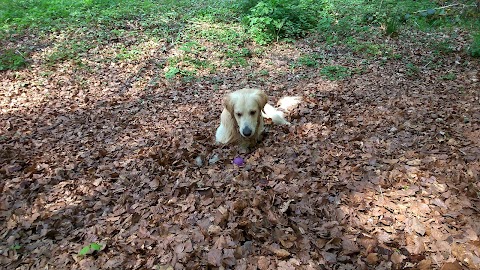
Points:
[(106, 163)]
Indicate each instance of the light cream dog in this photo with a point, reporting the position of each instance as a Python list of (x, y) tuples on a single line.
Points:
[(242, 117)]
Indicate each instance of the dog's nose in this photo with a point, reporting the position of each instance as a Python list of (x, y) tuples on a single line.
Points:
[(247, 132)]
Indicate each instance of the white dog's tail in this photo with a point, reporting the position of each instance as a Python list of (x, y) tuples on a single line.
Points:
[(277, 116), (286, 104)]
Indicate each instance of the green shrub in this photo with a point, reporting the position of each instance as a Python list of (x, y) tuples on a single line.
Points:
[(449, 76), (271, 20), (11, 60), (307, 60), (172, 72), (335, 73), (412, 69), (391, 27), (244, 6), (474, 49)]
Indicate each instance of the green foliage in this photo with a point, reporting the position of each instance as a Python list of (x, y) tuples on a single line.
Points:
[(93, 247), (237, 56), (390, 17), (185, 72), (192, 47), (68, 51), (442, 47), (46, 13), (128, 54), (474, 49), (307, 60), (412, 69), (244, 6), (449, 76), (226, 34), (365, 48), (335, 73), (15, 247), (271, 20), (101, 22), (391, 27), (11, 60), (188, 63), (172, 72), (185, 66), (100, 15)]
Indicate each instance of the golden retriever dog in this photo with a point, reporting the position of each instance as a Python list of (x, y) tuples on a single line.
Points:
[(242, 117)]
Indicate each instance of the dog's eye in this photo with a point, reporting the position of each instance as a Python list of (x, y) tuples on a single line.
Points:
[(239, 114), (253, 112)]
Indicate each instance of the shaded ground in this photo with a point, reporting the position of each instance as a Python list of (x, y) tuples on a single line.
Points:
[(378, 171)]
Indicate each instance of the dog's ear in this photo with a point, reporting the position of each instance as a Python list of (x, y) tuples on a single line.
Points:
[(262, 99), (228, 104)]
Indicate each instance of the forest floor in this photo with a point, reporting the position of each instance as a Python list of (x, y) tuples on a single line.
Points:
[(379, 169)]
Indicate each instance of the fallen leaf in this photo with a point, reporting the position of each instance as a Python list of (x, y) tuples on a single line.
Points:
[(415, 162), (285, 206), (349, 246), (214, 229), (418, 226), (372, 258), (329, 257), (214, 257), (99, 144), (425, 265), (114, 262), (284, 265), (438, 202), (279, 252), (397, 258), (263, 263), (451, 266), (164, 267), (367, 243), (465, 254), (415, 244)]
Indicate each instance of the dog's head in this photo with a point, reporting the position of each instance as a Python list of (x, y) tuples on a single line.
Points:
[(246, 107)]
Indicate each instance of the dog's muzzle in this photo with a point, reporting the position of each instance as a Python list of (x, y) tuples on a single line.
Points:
[(246, 132)]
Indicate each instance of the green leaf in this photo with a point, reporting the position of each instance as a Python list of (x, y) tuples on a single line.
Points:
[(90, 249), (172, 72), (15, 247)]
